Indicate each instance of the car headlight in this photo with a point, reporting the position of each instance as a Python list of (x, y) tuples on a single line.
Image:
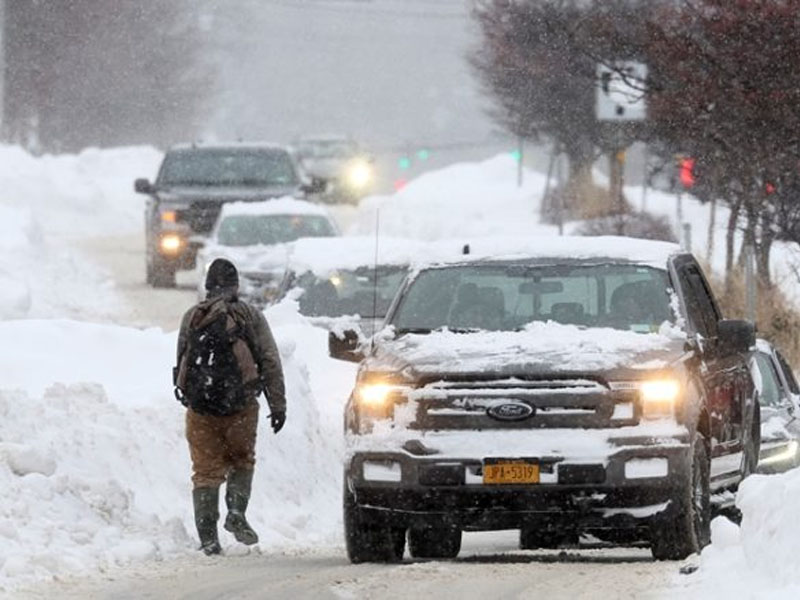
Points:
[(789, 453), (658, 397), (171, 243), (359, 175)]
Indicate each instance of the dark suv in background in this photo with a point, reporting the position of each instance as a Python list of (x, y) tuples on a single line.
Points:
[(557, 395), (192, 184)]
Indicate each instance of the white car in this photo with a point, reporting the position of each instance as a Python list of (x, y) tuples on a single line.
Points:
[(253, 235), (779, 399)]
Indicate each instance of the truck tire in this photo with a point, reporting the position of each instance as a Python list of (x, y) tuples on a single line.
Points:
[(160, 275), (534, 538), (434, 542), (367, 542), (689, 529)]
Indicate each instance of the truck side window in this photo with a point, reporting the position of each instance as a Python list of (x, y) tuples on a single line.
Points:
[(703, 311)]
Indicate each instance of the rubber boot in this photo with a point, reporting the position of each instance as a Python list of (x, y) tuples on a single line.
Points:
[(237, 495), (206, 514)]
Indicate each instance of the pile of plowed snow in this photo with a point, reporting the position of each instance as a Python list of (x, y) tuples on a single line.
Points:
[(760, 559), (463, 200), (94, 467), (46, 202)]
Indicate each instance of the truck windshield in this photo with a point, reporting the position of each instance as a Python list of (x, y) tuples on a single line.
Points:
[(327, 149), (350, 292), (508, 297), (228, 167), (254, 230)]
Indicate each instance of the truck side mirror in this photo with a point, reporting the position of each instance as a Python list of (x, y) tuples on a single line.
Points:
[(315, 186), (345, 346), (143, 186), (735, 336)]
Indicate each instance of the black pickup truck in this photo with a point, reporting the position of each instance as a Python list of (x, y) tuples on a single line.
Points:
[(560, 396), (192, 184)]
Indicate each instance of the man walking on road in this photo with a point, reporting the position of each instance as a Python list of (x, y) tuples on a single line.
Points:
[(226, 358)]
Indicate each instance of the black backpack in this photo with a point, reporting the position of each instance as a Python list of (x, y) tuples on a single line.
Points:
[(217, 373)]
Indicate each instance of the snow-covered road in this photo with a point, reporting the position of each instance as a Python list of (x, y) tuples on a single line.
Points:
[(489, 567), (142, 306)]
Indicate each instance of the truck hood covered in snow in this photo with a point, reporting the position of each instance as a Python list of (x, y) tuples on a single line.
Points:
[(541, 348)]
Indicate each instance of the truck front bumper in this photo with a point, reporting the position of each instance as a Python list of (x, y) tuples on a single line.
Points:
[(624, 489)]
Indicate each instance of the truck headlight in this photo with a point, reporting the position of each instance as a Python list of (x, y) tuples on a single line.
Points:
[(171, 243), (359, 175), (375, 395), (658, 397)]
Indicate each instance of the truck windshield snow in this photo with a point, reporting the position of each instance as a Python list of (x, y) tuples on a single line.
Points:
[(219, 167), (254, 230), (508, 297)]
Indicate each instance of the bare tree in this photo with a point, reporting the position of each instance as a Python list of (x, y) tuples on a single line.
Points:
[(538, 62), (91, 72), (726, 89)]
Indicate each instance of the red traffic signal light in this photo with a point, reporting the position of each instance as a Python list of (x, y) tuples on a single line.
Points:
[(687, 175)]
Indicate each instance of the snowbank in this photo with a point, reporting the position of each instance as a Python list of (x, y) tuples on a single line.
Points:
[(46, 201), (760, 559), (90, 193), (94, 468), (463, 200)]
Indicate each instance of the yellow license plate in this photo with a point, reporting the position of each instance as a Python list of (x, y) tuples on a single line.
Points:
[(510, 472)]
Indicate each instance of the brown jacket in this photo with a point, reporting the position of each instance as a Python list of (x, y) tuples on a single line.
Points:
[(263, 344)]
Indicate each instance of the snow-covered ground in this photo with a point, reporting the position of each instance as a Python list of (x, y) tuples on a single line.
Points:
[(48, 202), (94, 470)]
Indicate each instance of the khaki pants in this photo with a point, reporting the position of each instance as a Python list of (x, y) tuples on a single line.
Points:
[(220, 444)]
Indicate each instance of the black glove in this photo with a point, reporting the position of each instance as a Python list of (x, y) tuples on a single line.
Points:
[(277, 418)]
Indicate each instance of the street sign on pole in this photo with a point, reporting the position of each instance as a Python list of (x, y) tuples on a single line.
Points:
[(620, 91)]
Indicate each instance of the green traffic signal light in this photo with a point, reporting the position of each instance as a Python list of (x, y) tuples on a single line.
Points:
[(516, 155), (423, 154), (404, 163)]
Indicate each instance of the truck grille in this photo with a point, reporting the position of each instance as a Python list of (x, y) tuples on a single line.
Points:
[(554, 403)]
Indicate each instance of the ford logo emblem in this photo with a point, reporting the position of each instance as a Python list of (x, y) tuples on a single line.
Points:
[(510, 411)]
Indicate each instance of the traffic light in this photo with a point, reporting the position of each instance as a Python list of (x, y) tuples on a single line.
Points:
[(404, 163), (516, 155), (423, 154), (687, 174)]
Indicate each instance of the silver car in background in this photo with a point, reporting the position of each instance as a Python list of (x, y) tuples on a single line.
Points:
[(779, 397)]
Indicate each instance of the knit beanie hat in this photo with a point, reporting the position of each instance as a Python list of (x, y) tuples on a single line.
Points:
[(222, 274)]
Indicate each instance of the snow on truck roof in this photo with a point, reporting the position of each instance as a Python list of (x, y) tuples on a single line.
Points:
[(228, 146), (613, 248), (324, 255), (280, 206)]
